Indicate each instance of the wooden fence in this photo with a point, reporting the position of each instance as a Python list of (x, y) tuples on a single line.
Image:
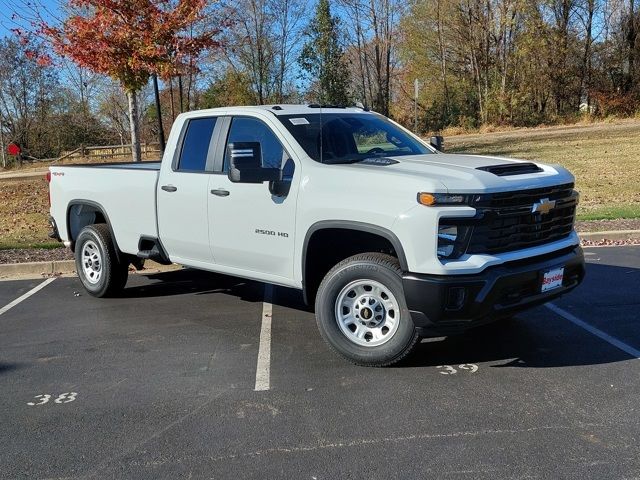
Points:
[(109, 153)]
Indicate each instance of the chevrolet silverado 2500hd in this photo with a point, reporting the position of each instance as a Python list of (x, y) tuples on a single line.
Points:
[(391, 238)]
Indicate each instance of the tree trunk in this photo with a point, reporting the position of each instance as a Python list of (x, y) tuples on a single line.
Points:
[(134, 125), (631, 42), (4, 158), (585, 74), (443, 64)]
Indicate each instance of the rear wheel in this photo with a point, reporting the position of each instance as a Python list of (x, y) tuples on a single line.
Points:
[(361, 311), (97, 265)]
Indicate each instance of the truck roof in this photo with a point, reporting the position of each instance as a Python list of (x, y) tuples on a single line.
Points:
[(288, 109)]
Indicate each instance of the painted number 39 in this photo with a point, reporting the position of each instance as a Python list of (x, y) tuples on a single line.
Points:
[(62, 398), (449, 370)]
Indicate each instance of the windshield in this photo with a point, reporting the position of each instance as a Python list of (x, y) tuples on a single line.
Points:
[(350, 137)]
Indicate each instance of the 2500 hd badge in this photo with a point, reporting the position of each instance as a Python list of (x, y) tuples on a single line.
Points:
[(260, 231)]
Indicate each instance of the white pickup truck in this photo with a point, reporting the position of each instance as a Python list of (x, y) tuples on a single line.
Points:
[(391, 238)]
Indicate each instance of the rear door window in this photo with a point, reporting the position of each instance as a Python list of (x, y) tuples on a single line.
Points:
[(196, 145)]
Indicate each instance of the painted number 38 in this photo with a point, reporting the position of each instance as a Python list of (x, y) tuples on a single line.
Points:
[(62, 398)]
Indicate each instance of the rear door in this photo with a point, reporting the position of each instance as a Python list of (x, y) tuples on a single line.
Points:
[(183, 193), (250, 228)]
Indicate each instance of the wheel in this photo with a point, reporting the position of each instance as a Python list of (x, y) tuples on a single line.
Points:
[(97, 263), (361, 311)]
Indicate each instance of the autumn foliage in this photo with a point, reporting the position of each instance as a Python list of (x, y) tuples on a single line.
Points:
[(129, 40)]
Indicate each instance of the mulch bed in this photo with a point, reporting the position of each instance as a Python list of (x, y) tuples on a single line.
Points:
[(608, 225), (34, 255)]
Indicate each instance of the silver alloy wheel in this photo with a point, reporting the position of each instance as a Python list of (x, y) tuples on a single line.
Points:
[(91, 262), (367, 313)]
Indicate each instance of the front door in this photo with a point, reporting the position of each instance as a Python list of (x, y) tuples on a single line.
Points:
[(250, 228)]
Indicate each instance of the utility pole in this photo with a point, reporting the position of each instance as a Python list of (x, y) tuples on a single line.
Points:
[(156, 93), (180, 93), (416, 87)]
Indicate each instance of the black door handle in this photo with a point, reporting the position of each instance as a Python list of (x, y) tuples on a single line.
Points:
[(169, 188), (220, 192)]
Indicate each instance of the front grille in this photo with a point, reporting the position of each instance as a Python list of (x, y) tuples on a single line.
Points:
[(507, 223)]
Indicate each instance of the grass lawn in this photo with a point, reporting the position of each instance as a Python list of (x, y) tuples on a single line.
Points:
[(604, 157), (24, 208)]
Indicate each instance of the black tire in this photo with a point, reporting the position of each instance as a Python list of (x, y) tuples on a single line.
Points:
[(113, 274), (380, 268)]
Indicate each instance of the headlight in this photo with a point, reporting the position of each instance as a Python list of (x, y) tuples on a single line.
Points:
[(436, 199), (452, 240)]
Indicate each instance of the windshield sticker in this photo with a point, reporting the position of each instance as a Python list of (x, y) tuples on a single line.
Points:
[(299, 121)]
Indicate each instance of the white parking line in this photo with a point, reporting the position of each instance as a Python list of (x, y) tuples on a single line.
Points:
[(40, 286), (595, 331), (263, 369)]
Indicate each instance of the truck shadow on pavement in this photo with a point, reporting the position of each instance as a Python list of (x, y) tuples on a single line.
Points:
[(539, 338), (533, 339), (9, 367), (198, 282), (519, 342)]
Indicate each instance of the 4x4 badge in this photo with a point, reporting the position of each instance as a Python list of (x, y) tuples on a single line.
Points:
[(544, 206)]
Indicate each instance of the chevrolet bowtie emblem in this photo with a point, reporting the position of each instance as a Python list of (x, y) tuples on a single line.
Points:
[(544, 206)]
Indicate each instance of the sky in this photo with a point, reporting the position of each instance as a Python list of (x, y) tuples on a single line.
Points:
[(20, 13)]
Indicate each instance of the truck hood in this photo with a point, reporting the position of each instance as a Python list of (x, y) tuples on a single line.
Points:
[(460, 173)]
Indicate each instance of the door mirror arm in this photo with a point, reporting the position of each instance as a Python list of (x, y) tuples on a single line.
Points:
[(280, 188)]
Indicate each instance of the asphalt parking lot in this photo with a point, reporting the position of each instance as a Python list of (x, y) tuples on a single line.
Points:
[(192, 375)]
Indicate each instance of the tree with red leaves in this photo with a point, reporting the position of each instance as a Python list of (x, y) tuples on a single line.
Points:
[(130, 40)]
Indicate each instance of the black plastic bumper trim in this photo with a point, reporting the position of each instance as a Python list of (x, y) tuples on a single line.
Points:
[(496, 292)]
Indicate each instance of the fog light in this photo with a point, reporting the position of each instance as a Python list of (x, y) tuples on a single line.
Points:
[(456, 298)]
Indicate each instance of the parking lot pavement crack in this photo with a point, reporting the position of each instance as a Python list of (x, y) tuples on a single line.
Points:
[(361, 442)]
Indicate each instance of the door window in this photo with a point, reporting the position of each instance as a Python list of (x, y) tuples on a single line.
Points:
[(195, 146), (244, 129)]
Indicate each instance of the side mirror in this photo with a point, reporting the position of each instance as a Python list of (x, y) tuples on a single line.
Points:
[(437, 142), (280, 188), (245, 164)]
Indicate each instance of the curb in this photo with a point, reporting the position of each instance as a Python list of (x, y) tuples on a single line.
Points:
[(37, 268), (63, 267), (611, 235)]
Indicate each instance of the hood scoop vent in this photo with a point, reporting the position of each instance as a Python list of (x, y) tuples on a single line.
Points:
[(508, 169), (382, 161)]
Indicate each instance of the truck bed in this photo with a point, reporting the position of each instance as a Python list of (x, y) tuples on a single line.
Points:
[(124, 192)]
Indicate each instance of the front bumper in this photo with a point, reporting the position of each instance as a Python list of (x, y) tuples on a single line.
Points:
[(448, 304)]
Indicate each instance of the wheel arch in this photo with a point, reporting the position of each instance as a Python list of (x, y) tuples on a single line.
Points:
[(371, 230), (94, 212)]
